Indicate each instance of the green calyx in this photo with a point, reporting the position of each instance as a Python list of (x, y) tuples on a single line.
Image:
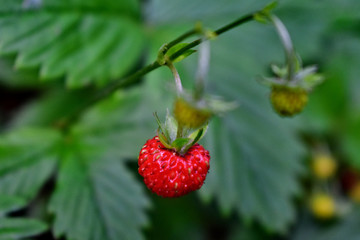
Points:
[(177, 137), (303, 78)]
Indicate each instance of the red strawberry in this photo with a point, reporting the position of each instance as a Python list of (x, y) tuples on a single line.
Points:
[(169, 174)]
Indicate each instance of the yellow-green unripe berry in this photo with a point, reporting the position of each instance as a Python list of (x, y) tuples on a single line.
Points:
[(190, 116), (323, 165), (288, 101), (323, 206)]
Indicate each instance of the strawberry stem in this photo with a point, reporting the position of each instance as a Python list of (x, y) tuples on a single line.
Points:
[(203, 68), (179, 88), (287, 44)]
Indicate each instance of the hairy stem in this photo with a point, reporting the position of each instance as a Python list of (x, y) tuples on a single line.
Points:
[(218, 32), (177, 40), (179, 88), (288, 46), (203, 68)]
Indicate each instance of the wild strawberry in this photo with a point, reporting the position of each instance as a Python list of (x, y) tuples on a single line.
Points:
[(170, 174), (323, 206), (323, 165), (288, 101)]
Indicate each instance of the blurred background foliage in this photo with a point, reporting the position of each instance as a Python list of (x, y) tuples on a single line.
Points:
[(83, 183)]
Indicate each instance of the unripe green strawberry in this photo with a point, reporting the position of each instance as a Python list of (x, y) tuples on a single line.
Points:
[(288, 101), (323, 206), (323, 165), (190, 116)]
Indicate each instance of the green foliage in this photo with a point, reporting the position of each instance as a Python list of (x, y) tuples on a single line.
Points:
[(94, 189), (92, 197), (93, 183), (256, 156), (10, 203), (344, 229), (17, 228), (67, 39), (267, 182), (53, 107), (117, 125), (27, 159)]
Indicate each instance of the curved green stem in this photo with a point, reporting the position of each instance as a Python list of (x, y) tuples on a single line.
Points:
[(179, 88), (203, 68), (288, 46), (177, 40), (218, 32)]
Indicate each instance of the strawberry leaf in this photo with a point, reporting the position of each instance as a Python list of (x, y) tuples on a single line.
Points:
[(96, 197), (94, 193), (27, 159), (18, 228), (250, 147), (66, 41), (10, 203), (119, 124)]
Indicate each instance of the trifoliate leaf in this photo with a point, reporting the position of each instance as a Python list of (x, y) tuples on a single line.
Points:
[(27, 159)]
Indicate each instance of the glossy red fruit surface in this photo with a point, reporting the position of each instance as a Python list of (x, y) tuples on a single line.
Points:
[(169, 174)]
